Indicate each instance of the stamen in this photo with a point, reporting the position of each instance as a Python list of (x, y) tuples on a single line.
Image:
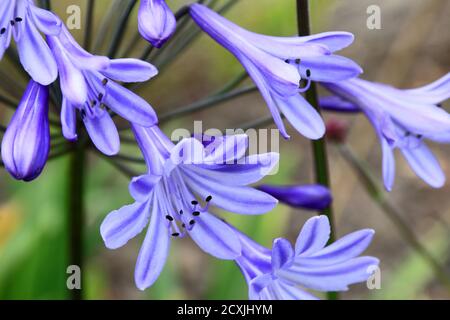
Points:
[(3, 30), (287, 61), (12, 23), (208, 198), (175, 234), (104, 81), (196, 213), (297, 61), (180, 212), (308, 73), (83, 114), (192, 222), (100, 96), (18, 19), (168, 217), (194, 202), (419, 136)]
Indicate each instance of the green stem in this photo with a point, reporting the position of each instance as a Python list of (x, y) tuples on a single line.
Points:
[(88, 24), (376, 192), (75, 207), (120, 29), (319, 146)]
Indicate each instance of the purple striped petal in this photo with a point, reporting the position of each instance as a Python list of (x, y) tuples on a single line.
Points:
[(130, 70), (156, 22), (102, 131), (154, 251), (313, 236), (141, 187), (68, 121), (282, 253), (124, 224)]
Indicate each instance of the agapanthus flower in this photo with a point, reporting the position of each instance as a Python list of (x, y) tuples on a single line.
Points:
[(26, 142), (284, 272), (277, 64), (183, 180), (24, 21), (87, 86), (402, 119), (310, 197), (156, 22)]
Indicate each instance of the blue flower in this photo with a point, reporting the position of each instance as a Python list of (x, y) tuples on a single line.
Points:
[(156, 22), (277, 65), (311, 197), (26, 143), (284, 272), (179, 178), (22, 20), (402, 119), (87, 87)]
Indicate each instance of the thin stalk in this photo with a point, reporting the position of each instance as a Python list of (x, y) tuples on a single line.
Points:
[(120, 29), (88, 24), (376, 192), (75, 207), (318, 146)]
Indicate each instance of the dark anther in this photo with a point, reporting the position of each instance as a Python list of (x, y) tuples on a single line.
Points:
[(194, 202), (439, 105), (196, 213), (100, 96), (175, 234), (208, 198), (183, 225), (93, 103), (308, 73), (12, 22), (181, 212), (169, 218), (287, 60), (407, 134), (3, 30), (18, 19), (419, 136), (105, 81), (191, 222), (297, 61), (83, 114)]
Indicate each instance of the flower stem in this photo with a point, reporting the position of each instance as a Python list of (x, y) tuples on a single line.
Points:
[(75, 209), (319, 146), (88, 24), (120, 29), (376, 192)]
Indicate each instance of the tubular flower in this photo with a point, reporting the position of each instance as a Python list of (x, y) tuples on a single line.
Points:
[(26, 142), (311, 197), (402, 119), (284, 272), (277, 65), (156, 22), (179, 178), (87, 86), (22, 20)]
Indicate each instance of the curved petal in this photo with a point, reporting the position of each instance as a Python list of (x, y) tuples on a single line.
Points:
[(423, 162), (35, 55), (313, 236), (282, 253), (335, 103), (215, 237), (330, 68), (226, 149), (141, 187), (130, 70), (346, 248), (155, 248), (102, 131), (68, 121), (388, 164), (330, 278), (124, 102), (302, 116), (253, 169), (432, 93), (243, 200), (47, 22), (124, 224)]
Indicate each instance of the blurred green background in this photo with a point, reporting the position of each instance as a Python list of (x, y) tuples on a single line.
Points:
[(411, 49)]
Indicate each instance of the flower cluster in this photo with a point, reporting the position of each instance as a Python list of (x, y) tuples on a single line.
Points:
[(186, 180)]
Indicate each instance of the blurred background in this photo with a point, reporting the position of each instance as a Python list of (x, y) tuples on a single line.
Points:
[(411, 49)]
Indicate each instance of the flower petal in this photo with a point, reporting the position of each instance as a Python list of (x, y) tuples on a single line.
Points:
[(243, 200), (313, 236), (35, 55), (215, 237), (388, 165), (302, 116), (68, 121), (124, 224), (153, 254), (102, 131), (335, 103), (330, 68), (130, 70), (423, 162), (282, 253), (47, 22), (226, 149), (156, 22), (141, 187)]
